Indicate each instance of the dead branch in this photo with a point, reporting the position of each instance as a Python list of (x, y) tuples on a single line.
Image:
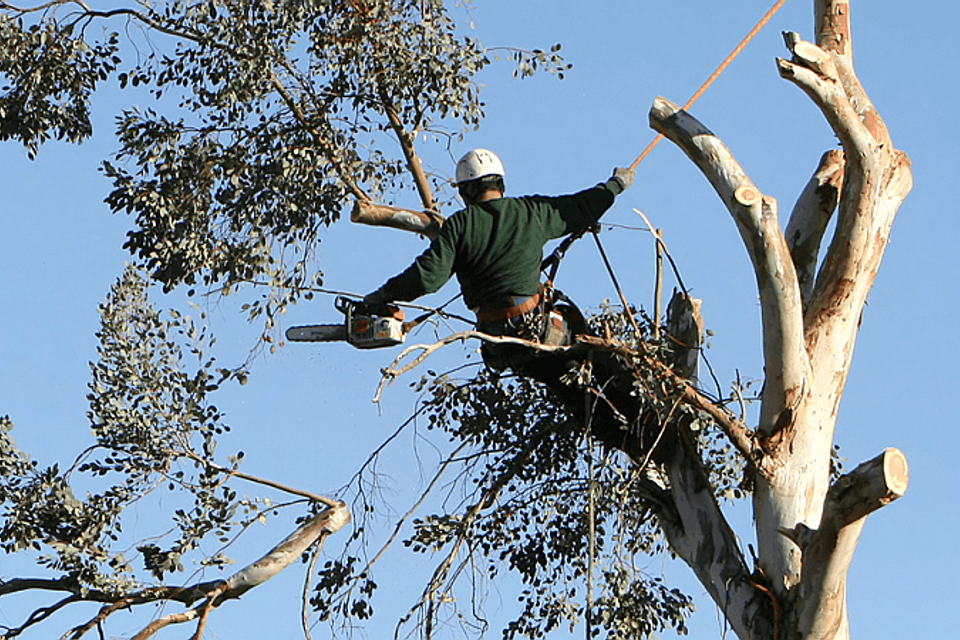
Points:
[(834, 35)]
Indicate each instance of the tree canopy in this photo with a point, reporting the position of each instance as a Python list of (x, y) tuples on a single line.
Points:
[(268, 120)]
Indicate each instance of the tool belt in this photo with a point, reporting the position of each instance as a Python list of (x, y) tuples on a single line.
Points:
[(537, 318), (508, 309)]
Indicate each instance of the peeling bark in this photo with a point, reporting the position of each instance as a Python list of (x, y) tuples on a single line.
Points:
[(286, 552), (699, 534)]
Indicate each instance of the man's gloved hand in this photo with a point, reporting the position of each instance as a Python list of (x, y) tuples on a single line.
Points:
[(624, 177), (376, 297), (381, 309), (377, 304)]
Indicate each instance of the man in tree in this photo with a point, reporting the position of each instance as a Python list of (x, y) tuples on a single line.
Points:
[(495, 245)]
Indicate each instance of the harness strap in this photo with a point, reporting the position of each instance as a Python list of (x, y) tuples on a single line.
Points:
[(493, 313)]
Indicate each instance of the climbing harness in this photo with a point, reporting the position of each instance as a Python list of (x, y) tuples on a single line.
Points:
[(508, 308)]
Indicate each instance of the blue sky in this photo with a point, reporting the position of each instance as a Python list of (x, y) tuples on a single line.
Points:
[(305, 418)]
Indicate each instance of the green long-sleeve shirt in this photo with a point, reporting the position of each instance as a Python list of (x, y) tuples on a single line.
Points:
[(495, 247)]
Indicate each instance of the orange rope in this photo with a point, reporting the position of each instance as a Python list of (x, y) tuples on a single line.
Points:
[(716, 74)]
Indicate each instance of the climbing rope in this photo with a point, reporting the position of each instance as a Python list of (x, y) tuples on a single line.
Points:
[(716, 74), (553, 261), (696, 96)]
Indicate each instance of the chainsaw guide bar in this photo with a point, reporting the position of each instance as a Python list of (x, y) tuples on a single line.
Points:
[(361, 328)]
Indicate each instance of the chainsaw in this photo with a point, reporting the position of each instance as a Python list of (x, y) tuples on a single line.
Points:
[(364, 326)]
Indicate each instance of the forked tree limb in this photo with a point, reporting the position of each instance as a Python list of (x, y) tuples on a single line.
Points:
[(785, 357), (876, 179), (813, 71), (210, 594)]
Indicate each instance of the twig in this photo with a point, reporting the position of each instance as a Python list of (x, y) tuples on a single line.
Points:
[(403, 520), (663, 245), (205, 610), (305, 600), (330, 502), (39, 615), (441, 573), (165, 621), (390, 373)]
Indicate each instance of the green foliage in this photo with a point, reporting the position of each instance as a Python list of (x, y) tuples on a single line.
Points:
[(270, 117), (154, 428), (528, 62), (523, 485), (48, 71)]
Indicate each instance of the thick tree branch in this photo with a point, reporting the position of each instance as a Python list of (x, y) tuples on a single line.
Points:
[(426, 223), (814, 71), (213, 593), (834, 35), (820, 601), (876, 180), (328, 521), (810, 218), (289, 550), (785, 358)]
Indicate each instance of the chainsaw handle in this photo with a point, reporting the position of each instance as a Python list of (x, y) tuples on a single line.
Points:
[(350, 308)]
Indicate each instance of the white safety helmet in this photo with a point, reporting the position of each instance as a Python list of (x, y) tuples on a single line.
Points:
[(478, 163)]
